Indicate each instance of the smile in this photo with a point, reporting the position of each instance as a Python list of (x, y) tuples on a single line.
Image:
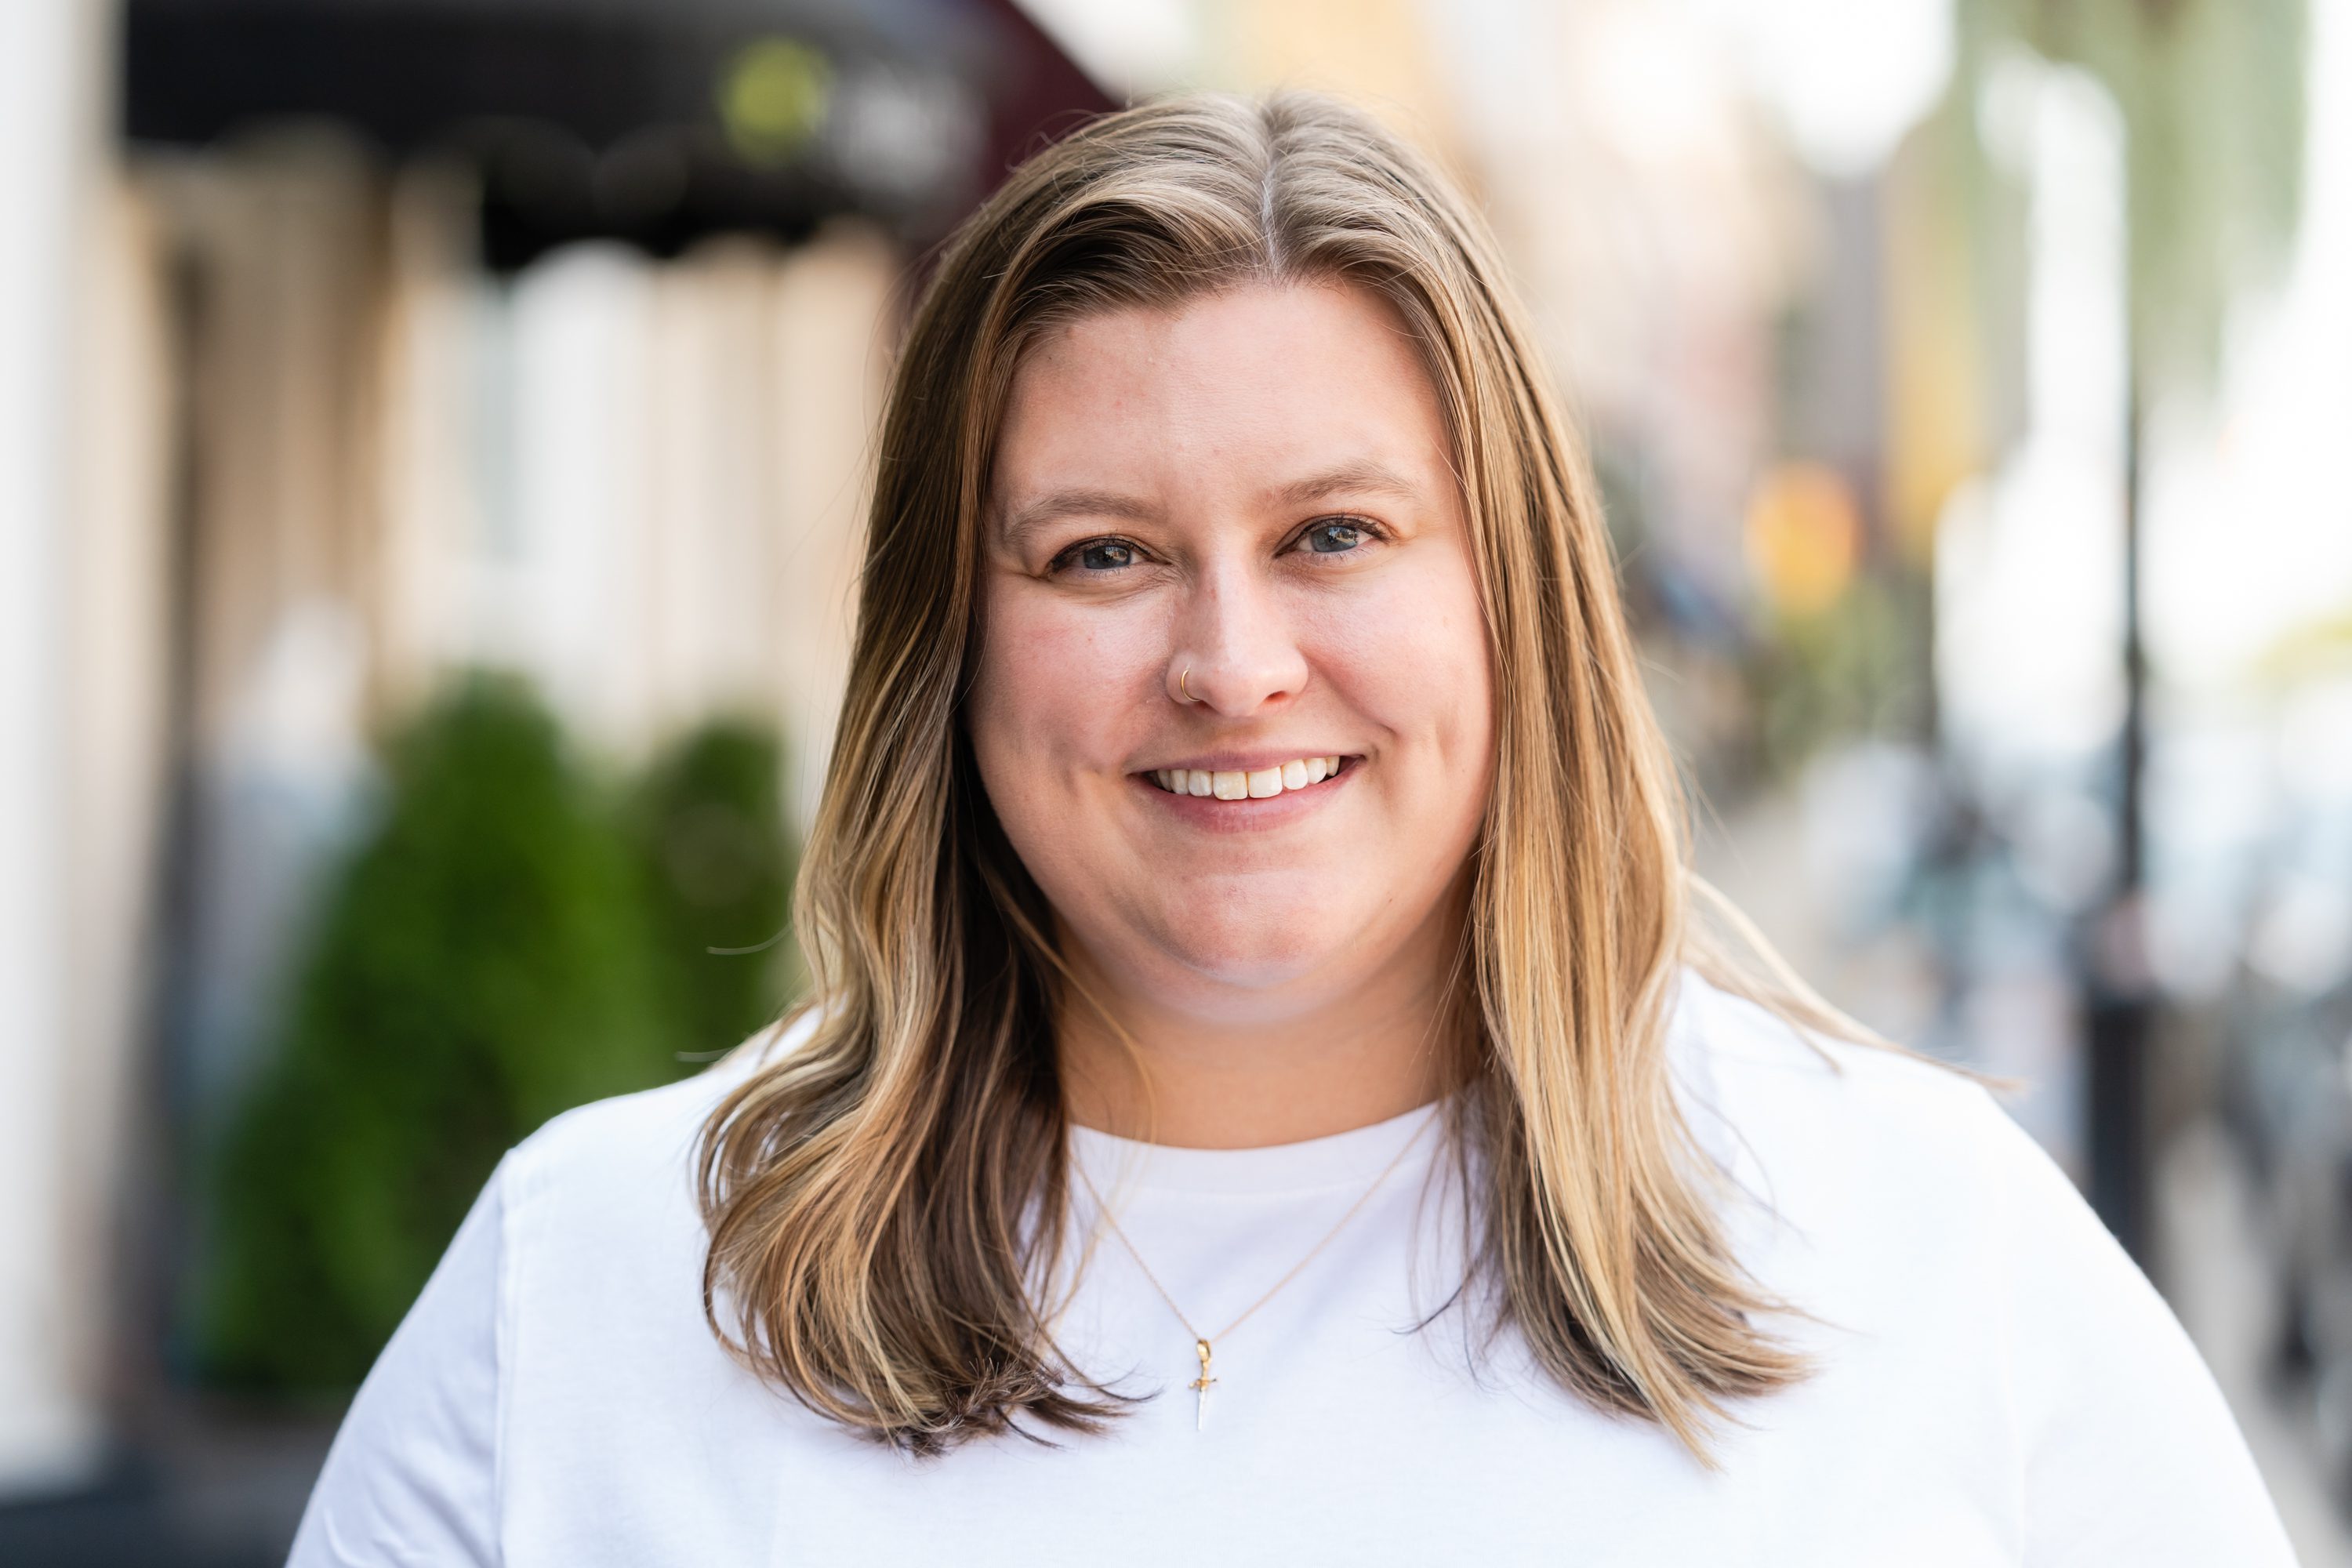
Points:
[(1258, 783)]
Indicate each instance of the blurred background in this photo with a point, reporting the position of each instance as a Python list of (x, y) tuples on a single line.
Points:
[(433, 444)]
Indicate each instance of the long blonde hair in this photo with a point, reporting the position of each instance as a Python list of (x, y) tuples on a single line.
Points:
[(885, 1201)]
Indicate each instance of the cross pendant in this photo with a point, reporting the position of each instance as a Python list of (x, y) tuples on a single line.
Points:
[(1200, 1387)]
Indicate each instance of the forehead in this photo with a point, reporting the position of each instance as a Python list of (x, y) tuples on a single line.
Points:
[(1243, 388)]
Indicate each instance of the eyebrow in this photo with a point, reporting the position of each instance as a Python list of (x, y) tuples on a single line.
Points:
[(1059, 504), (1363, 476)]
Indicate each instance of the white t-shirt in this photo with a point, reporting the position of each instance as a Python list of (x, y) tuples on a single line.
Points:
[(1999, 1385)]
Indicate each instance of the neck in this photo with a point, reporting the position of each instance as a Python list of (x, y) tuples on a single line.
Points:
[(1159, 1072)]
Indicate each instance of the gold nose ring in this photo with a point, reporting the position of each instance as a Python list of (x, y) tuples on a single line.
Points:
[(1184, 684)]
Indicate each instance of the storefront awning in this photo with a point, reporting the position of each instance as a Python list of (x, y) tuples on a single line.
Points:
[(649, 121)]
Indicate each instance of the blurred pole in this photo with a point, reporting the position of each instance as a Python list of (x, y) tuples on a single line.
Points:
[(2119, 1026), (50, 1417)]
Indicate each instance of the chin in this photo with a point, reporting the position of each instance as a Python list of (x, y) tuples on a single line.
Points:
[(1258, 953)]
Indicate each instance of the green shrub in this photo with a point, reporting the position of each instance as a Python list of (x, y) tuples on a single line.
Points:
[(718, 868), (483, 962)]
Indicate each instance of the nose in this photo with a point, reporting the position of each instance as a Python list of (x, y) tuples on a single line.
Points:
[(1234, 651)]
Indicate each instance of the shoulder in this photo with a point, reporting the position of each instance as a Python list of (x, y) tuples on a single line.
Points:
[(629, 1157), (1969, 1301), (602, 1245), (1817, 1100), (1878, 1180), (629, 1133)]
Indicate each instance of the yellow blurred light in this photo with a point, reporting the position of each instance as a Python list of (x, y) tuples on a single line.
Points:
[(772, 98), (1803, 535)]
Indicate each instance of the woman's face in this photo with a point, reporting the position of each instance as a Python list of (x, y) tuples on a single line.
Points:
[(1226, 544)]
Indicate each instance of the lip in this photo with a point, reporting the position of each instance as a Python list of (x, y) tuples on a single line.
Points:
[(1210, 815)]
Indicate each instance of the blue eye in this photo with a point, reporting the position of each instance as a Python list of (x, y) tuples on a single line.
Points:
[(1105, 555), (1335, 536)]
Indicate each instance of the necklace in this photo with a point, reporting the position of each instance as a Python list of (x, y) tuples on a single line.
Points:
[(1203, 1344)]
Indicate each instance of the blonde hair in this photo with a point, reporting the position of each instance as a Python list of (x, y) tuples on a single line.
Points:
[(885, 1202)]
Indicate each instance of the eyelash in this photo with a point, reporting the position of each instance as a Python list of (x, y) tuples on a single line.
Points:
[(1365, 525)]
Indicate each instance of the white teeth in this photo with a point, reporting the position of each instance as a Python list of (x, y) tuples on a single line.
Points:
[(1261, 784)]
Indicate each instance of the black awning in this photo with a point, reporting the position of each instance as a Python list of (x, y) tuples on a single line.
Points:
[(649, 121)]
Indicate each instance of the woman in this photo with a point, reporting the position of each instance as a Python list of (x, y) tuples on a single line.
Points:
[(1266, 1095)]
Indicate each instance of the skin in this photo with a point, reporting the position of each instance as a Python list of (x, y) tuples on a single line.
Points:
[(1256, 488)]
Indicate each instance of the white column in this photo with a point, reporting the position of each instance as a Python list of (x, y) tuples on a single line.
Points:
[(49, 1423)]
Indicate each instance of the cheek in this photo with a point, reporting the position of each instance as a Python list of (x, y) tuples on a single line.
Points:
[(1416, 662), (1055, 689)]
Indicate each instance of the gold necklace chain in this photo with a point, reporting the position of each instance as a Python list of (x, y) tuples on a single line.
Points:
[(1203, 1343)]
